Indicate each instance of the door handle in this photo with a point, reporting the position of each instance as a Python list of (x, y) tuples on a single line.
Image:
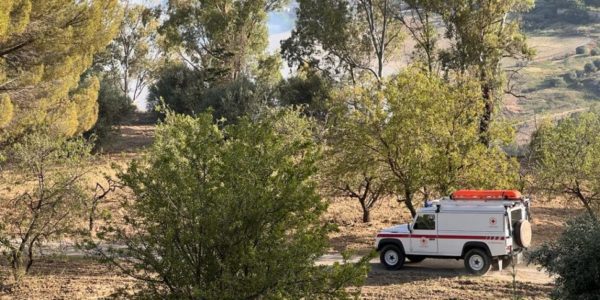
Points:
[(432, 239)]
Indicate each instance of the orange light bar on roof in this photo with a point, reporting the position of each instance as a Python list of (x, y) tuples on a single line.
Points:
[(486, 195)]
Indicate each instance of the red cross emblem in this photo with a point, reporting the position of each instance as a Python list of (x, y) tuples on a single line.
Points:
[(493, 221)]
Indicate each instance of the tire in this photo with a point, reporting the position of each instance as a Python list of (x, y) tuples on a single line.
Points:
[(477, 262), (415, 259), (392, 257), (522, 233)]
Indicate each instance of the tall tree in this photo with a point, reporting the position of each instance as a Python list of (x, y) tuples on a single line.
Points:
[(348, 37), (133, 53), (424, 131), (482, 33), (44, 48), (222, 36)]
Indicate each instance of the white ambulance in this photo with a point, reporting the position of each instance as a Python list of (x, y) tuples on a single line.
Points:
[(479, 226)]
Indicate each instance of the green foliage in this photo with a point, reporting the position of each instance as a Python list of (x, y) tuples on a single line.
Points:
[(114, 107), (229, 212), (590, 68), (44, 195), (557, 82), (344, 37), (597, 63), (44, 48), (426, 144), (566, 159), (595, 52), (132, 54), (221, 37), (484, 34), (574, 259), (582, 50), (309, 89), (189, 92)]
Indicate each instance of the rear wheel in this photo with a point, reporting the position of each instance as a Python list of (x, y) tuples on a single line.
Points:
[(477, 262), (392, 257), (415, 259)]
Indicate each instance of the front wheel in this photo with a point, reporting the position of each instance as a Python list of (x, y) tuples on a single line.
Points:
[(477, 262), (392, 257)]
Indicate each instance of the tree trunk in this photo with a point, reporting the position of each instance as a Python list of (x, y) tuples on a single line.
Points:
[(486, 118), (366, 215), (408, 196)]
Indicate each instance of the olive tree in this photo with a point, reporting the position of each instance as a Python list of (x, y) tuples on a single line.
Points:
[(424, 133), (224, 212), (566, 159), (43, 195)]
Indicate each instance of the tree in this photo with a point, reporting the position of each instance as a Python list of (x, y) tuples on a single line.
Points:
[(308, 88), (427, 146), (48, 170), (114, 106), (346, 37), (566, 159), (482, 34), (44, 47), (133, 52), (223, 213), (573, 260), (186, 91), (222, 37), (351, 171)]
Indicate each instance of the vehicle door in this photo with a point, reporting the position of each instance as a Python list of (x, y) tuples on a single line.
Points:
[(423, 238)]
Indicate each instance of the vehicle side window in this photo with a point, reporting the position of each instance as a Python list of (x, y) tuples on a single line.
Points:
[(425, 222), (515, 216)]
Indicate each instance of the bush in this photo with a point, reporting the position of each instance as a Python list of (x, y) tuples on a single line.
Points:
[(590, 68), (571, 77), (597, 63), (229, 212), (113, 108), (581, 50), (595, 52), (574, 258), (556, 82), (50, 197)]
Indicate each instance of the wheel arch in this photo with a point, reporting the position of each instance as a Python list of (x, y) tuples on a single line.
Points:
[(385, 242), (472, 245)]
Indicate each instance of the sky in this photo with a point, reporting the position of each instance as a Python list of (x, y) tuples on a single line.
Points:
[(280, 24)]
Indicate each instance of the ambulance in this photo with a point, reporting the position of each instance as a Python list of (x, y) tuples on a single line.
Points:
[(481, 227)]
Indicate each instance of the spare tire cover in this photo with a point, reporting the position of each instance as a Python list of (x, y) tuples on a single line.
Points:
[(523, 233)]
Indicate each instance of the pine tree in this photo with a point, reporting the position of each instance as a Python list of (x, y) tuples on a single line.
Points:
[(45, 46)]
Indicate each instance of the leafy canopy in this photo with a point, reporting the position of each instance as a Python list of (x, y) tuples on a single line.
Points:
[(566, 159), (44, 48), (224, 213)]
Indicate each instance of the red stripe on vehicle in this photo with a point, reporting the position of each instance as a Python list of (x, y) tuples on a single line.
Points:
[(453, 237)]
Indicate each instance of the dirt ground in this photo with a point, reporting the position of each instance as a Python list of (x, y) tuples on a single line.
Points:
[(82, 278)]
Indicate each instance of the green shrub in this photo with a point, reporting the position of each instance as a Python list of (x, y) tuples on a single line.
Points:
[(595, 52), (571, 77), (597, 63), (229, 212), (574, 258), (590, 68), (556, 82), (581, 50)]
